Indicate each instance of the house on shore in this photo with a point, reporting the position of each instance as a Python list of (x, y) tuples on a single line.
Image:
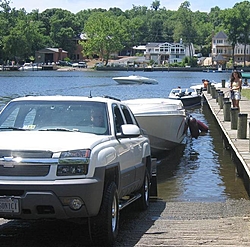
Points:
[(222, 50), (50, 55), (162, 53)]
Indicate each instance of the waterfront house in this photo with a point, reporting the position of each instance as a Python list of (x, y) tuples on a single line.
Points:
[(50, 55), (162, 53), (222, 47)]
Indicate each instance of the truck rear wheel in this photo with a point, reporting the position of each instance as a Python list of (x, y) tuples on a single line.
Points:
[(104, 226), (143, 202)]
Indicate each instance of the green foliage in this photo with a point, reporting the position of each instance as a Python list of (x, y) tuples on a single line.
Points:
[(113, 30), (105, 35), (189, 61)]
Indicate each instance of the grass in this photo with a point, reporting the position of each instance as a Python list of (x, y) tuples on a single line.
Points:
[(246, 93)]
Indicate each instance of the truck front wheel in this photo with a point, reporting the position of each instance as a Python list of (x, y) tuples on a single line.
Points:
[(104, 226)]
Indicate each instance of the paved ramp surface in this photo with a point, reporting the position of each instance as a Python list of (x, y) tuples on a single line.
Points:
[(190, 224)]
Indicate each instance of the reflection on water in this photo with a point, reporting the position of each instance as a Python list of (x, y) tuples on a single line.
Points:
[(199, 170)]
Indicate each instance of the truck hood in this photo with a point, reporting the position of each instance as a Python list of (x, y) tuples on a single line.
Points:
[(54, 141)]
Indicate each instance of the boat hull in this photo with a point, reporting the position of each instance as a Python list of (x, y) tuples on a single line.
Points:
[(134, 79), (188, 96), (165, 132), (189, 101), (164, 121)]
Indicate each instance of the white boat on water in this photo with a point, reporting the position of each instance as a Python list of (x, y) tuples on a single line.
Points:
[(30, 67), (188, 96), (163, 119), (134, 79)]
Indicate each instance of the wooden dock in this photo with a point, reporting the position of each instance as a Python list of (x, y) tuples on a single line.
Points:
[(239, 147)]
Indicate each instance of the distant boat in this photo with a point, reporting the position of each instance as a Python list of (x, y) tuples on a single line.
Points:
[(188, 96), (134, 79), (30, 67)]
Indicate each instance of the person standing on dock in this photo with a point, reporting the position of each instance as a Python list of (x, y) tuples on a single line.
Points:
[(235, 88), (205, 83)]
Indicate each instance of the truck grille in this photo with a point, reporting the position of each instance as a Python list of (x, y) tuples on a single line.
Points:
[(26, 154), (25, 170)]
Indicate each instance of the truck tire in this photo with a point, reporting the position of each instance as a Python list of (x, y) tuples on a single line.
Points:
[(104, 226), (143, 202)]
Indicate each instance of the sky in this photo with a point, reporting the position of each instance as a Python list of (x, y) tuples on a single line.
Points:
[(75, 6)]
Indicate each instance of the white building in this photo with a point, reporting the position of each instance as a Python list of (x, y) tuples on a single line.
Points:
[(222, 46), (162, 53)]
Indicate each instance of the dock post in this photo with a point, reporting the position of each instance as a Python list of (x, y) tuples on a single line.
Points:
[(217, 91), (226, 110), (223, 82), (242, 126), (234, 117), (221, 97), (209, 88), (213, 91)]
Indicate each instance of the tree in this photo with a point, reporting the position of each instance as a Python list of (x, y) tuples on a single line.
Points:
[(204, 29), (155, 5), (232, 23), (63, 28), (243, 9), (24, 38), (105, 35), (215, 19), (185, 28)]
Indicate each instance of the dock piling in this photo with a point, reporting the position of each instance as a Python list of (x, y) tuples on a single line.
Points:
[(209, 88), (213, 92), (234, 117), (217, 91), (226, 110), (242, 126), (220, 99), (223, 82)]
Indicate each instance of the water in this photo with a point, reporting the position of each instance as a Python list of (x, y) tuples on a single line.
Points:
[(199, 170)]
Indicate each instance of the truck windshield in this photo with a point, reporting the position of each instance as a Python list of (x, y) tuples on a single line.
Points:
[(83, 116)]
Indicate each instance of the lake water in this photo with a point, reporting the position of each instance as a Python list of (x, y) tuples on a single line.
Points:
[(199, 170)]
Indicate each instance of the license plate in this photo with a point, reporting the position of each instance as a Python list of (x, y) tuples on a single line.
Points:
[(9, 205)]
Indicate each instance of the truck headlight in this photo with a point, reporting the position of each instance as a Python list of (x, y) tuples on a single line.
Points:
[(74, 162)]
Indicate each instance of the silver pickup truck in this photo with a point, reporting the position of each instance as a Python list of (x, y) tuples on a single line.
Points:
[(70, 157)]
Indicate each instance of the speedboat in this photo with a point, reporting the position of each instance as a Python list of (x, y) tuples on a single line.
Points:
[(188, 96), (134, 79), (30, 67), (163, 119)]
